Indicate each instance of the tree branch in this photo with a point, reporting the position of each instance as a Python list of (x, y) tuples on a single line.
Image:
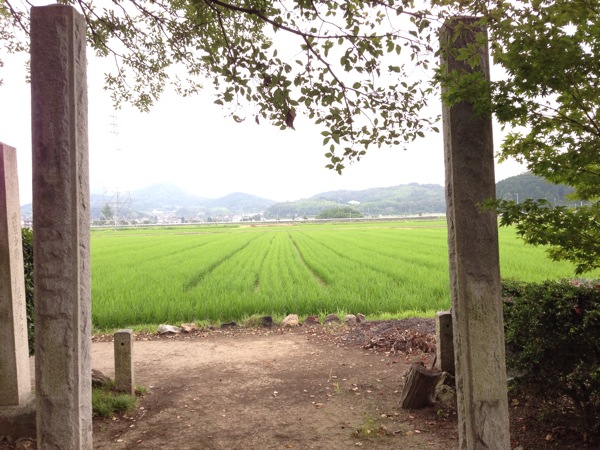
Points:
[(15, 14)]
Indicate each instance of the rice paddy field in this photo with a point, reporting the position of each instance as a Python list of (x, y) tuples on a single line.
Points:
[(223, 273)]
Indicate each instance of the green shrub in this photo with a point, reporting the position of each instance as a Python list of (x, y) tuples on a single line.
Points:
[(27, 237), (553, 342), (344, 212)]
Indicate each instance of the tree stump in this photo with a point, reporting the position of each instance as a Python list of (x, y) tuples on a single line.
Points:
[(419, 387)]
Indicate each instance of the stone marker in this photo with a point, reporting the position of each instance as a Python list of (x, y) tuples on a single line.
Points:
[(61, 223), (124, 378), (444, 341), (473, 255), (15, 379)]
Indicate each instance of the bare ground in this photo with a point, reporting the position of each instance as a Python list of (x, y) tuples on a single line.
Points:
[(301, 388)]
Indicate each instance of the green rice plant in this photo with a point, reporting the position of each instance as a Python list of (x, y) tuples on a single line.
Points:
[(218, 274)]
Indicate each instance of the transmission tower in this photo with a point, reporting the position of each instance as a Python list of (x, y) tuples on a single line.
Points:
[(120, 202)]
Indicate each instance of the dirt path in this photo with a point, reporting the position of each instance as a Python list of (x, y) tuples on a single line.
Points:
[(295, 389)]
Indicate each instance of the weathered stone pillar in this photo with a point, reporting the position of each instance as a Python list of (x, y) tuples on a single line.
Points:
[(61, 226), (474, 258), (124, 377), (15, 379)]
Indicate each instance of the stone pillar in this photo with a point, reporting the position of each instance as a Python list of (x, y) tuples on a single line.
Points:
[(124, 378), (15, 379), (474, 259), (444, 342), (61, 226)]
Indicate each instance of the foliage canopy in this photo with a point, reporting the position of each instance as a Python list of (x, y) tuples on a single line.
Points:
[(360, 70), (548, 99), (552, 92), (336, 61)]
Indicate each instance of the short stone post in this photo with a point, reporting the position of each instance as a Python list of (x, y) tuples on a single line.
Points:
[(444, 342), (474, 258), (61, 223), (15, 379), (124, 377)]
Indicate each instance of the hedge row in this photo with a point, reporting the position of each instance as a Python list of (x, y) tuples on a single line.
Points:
[(553, 342)]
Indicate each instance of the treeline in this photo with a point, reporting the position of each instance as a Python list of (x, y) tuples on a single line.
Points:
[(527, 185), (409, 199)]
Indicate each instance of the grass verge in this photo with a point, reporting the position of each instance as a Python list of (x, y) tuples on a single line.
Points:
[(106, 402)]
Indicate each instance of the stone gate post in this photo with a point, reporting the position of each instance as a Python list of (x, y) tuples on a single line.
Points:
[(474, 258), (15, 379), (61, 226)]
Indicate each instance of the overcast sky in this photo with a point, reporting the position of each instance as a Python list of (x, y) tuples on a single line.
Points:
[(190, 142)]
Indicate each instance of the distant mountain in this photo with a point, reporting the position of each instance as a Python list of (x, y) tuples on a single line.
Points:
[(169, 199), (164, 196), (144, 203), (396, 200), (168, 202), (527, 185), (240, 202)]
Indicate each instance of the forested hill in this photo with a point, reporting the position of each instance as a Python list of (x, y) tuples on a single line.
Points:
[(413, 198), (527, 185), (396, 200), (169, 201)]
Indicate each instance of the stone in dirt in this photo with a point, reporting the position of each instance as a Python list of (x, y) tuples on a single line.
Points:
[(291, 320), (446, 396), (188, 327), (331, 318), (25, 443), (350, 319), (360, 318), (168, 329), (98, 378), (266, 321), (311, 321)]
